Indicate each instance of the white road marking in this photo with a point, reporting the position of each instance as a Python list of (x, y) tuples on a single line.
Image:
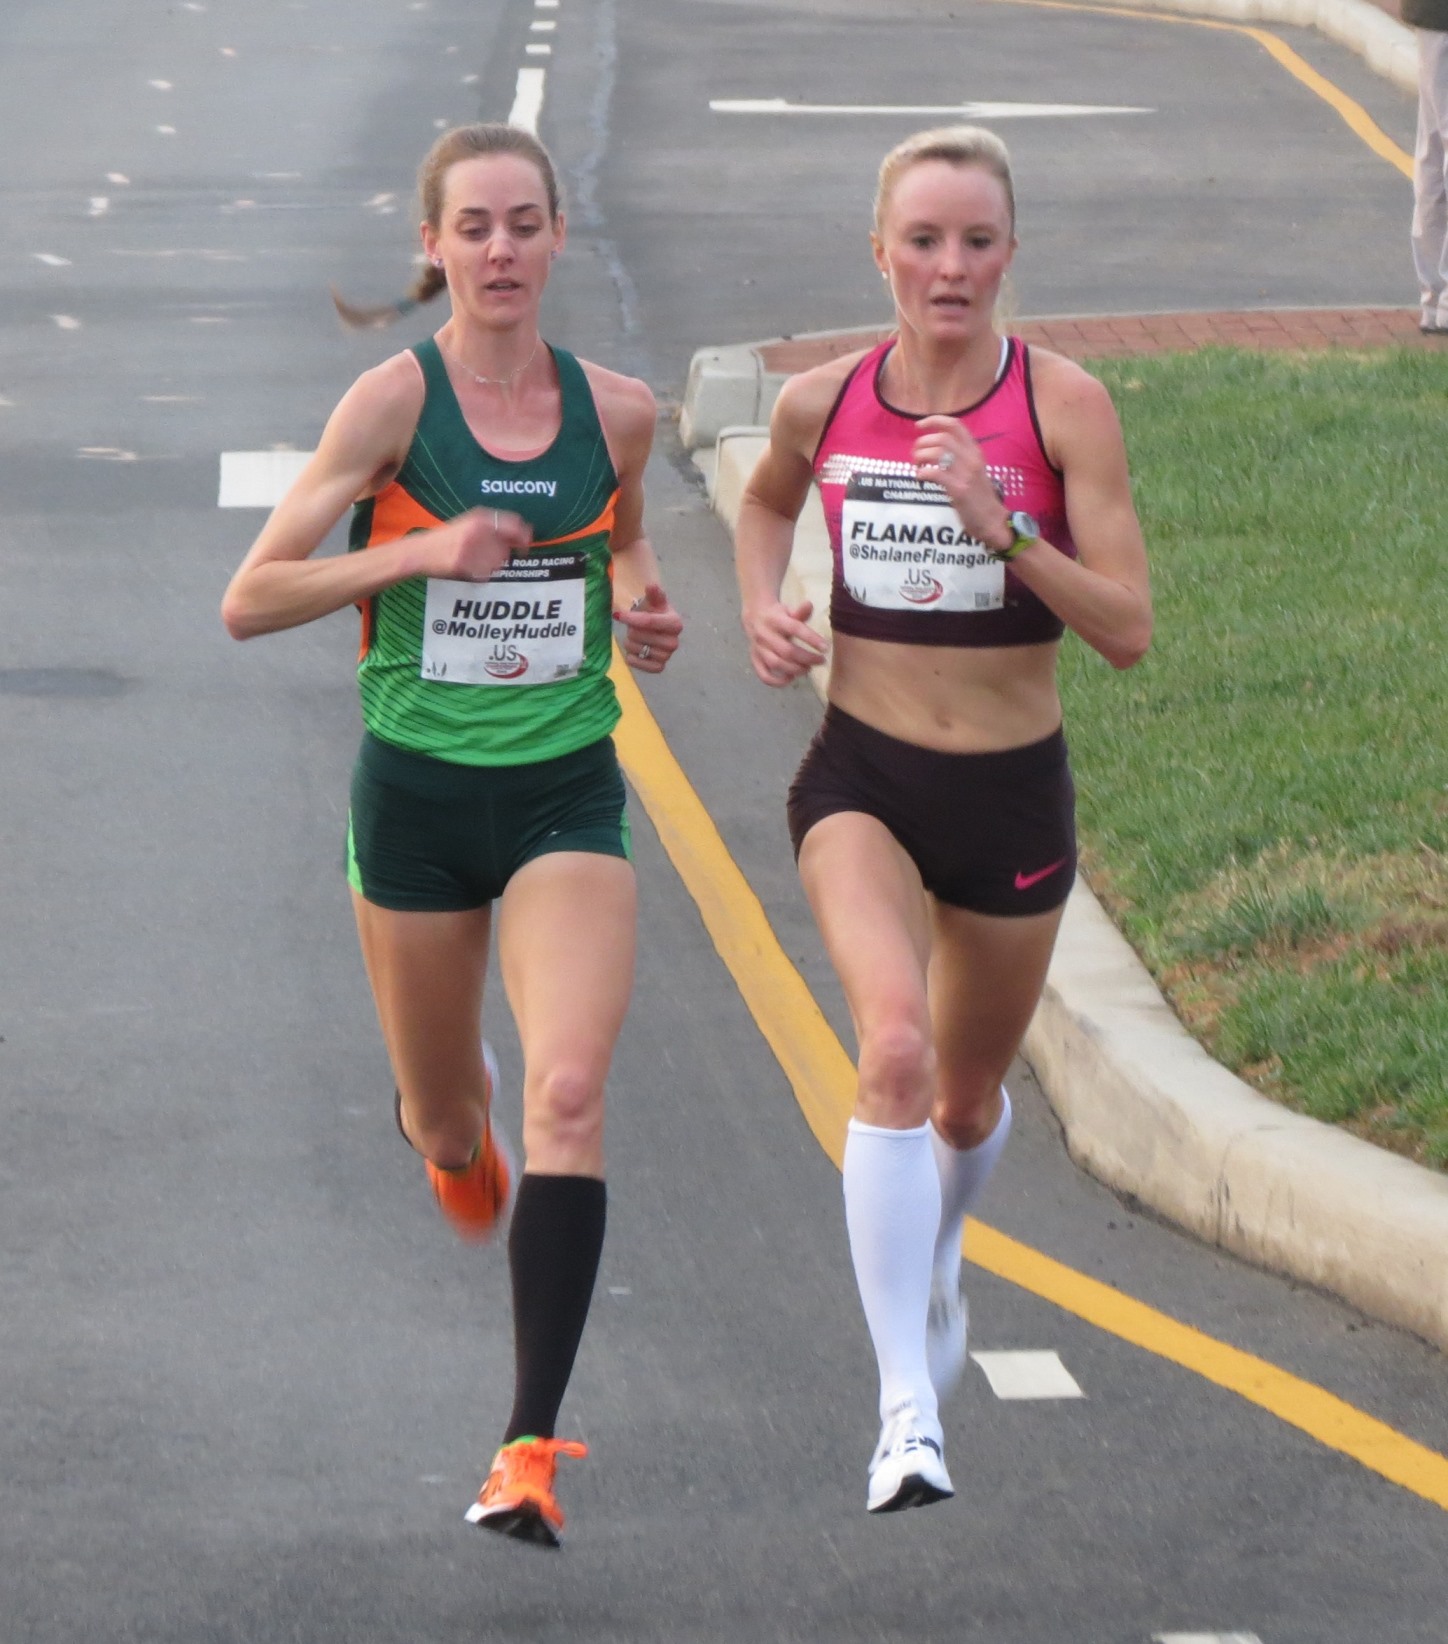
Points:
[(107, 453), (470, 79), (160, 85), (542, 25), (439, 125), (50, 259), (546, 5), (119, 178), (538, 51), (99, 206), (7, 405), (619, 1290), (963, 111), (258, 479), (171, 399), (165, 131), (66, 322), (1032, 1375), (1205, 1638), (528, 99), (227, 51)]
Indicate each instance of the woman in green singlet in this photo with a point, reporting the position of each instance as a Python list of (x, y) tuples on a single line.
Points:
[(496, 488)]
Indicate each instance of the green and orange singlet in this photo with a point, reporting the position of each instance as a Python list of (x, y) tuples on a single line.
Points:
[(515, 669)]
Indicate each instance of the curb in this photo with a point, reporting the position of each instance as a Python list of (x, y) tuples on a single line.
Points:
[(1147, 1111), (1387, 46)]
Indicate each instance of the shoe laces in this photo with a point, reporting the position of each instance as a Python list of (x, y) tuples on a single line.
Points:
[(904, 1429), (529, 1464)]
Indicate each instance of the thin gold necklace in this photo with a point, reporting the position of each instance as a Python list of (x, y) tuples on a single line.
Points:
[(503, 382)]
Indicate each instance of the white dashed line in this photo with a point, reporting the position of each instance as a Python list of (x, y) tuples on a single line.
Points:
[(1205, 1638), (165, 131), (227, 51), (119, 178), (50, 259), (538, 51), (546, 5), (528, 99), (160, 85), (66, 322), (258, 479), (470, 79), (99, 206), (6, 405), (171, 399), (107, 453), (962, 111), (1031, 1375), (543, 26)]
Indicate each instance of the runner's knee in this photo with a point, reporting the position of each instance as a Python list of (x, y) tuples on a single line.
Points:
[(897, 1072), (565, 1106)]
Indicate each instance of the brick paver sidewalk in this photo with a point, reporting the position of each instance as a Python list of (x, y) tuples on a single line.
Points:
[(1097, 336)]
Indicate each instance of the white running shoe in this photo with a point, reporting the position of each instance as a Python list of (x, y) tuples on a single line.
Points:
[(946, 1325), (908, 1467)]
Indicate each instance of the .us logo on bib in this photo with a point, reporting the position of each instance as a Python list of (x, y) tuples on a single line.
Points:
[(523, 626), (904, 549)]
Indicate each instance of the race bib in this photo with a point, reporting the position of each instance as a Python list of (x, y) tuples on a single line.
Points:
[(523, 626), (904, 549)]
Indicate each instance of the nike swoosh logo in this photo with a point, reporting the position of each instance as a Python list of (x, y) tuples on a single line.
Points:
[(1024, 881)]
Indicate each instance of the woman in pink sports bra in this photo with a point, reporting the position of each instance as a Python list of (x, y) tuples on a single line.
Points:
[(978, 504)]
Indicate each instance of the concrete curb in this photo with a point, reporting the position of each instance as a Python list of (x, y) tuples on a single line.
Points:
[(1148, 1112), (1386, 45)]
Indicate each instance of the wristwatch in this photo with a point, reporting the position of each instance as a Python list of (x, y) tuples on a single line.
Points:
[(1024, 531)]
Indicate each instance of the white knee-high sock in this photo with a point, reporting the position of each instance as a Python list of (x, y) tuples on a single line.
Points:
[(892, 1211), (963, 1172)]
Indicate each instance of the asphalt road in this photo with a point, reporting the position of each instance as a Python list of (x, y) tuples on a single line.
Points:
[(247, 1382)]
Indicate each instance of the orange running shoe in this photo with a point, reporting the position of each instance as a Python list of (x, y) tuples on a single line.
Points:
[(478, 1198), (517, 1497)]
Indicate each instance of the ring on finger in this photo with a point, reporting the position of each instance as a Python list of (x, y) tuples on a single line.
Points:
[(645, 652), (945, 460)]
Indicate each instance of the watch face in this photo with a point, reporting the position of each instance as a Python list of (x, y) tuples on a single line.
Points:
[(1024, 526)]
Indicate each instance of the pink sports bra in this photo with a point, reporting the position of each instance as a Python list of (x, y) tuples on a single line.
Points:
[(905, 569)]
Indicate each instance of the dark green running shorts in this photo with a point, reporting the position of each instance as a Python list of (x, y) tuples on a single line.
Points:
[(429, 836)]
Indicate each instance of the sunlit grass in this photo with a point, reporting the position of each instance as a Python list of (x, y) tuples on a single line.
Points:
[(1264, 800)]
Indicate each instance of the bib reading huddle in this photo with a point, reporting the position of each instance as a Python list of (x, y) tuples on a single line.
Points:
[(515, 669)]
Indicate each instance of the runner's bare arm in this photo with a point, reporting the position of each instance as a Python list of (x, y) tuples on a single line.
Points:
[(782, 645), (279, 586), (1105, 596), (628, 413)]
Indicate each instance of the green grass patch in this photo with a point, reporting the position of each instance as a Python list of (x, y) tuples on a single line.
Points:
[(1264, 799)]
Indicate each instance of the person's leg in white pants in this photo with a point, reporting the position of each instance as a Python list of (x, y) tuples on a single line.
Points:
[(1430, 179)]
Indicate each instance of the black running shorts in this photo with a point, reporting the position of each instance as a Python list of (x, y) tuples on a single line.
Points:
[(426, 835), (993, 833)]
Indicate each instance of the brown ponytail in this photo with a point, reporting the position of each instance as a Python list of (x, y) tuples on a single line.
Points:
[(461, 143)]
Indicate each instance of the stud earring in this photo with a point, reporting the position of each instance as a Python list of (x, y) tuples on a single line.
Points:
[(437, 262)]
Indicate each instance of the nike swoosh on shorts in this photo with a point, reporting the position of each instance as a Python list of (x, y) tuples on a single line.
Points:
[(1024, 881)]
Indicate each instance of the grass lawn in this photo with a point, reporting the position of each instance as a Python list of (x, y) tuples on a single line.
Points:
[(1264, 799)]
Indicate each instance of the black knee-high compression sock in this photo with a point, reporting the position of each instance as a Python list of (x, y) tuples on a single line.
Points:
[(553, 1250)]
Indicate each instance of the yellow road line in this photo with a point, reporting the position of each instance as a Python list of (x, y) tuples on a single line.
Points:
[(1354, 114), (823, 1080)]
